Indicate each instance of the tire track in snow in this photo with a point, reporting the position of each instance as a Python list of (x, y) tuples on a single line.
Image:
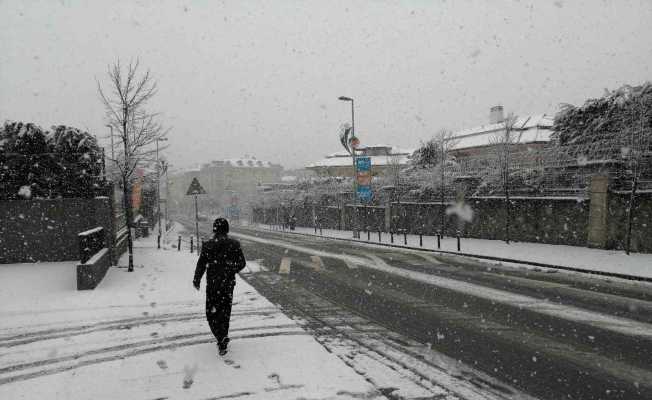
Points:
[(126, 323), (573, 314), (96, 356), (337, 328)]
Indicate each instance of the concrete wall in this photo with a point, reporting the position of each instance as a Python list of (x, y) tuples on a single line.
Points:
[(46, 230), (641, 222), (540, 220)]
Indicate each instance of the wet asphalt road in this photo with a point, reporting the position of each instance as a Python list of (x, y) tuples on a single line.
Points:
[(551, 335)]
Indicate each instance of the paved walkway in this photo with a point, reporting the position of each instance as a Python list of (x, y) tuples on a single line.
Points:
[(143, 335)]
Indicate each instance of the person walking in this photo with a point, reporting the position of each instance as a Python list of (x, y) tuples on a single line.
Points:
[(221, 258)]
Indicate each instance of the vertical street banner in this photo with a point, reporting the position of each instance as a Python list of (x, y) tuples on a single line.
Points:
[(363, 167), (136, 190)]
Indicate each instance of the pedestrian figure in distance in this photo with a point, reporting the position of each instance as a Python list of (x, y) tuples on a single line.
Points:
[(221, 258)]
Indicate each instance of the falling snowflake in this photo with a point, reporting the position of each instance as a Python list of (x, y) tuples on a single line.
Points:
[(463, 211), (25, 192)]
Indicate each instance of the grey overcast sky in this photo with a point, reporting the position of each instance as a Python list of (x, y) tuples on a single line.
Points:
[(263, 77)]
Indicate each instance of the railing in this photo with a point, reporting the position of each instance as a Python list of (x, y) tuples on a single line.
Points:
[(95, 259), (90, 242)]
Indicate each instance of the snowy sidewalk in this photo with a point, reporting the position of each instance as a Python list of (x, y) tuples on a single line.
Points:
[(610, 261), (143, 335)]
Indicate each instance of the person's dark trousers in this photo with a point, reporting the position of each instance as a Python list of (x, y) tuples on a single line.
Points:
[(218, 310)]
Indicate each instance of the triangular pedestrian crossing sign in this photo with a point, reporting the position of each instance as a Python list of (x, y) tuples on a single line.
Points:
[(195, 188)]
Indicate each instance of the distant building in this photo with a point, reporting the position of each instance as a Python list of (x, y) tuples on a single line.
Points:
[(529, 131), (341, 163), (230, 184)]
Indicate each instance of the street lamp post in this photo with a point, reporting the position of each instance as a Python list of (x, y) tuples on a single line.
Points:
[(111, 136), (158, 186), (352, 150)]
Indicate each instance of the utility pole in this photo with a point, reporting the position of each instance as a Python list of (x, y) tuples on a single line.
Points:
[(158, 185), (111, 137), (167, 194), (442, 163)]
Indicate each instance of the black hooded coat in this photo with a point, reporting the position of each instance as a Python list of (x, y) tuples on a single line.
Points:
[(221, 259)]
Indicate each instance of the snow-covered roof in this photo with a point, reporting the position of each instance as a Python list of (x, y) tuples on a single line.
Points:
[(343, 158), (244, 162), (528, 129), (347, 161)]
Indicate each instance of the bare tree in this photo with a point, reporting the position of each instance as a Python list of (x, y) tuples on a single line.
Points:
[(502, 143), (394, 173), (637, 153), (125, 99), (444, 141)]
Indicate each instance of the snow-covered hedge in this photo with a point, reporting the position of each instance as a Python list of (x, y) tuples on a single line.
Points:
[(614, 114), (64, 162)]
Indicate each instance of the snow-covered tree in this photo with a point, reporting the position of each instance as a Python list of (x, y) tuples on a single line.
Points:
[(79, 161), (502, 144), (35, 163), (26, 168)]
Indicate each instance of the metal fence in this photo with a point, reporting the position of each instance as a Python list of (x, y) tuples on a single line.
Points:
[(525, 171)]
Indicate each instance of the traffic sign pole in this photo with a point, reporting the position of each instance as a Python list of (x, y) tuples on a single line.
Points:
[(196, 220), (194, 190)]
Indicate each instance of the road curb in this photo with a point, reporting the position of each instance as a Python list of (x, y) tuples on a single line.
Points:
[(480, 256)]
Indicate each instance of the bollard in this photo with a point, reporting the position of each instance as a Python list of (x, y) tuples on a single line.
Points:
[(315, 229), (192, 248), (379, 237), (438, 240), (391, 237), (158, 242), (368, 236), (421, 240), (179, 244), (405, 237), (458, 240)]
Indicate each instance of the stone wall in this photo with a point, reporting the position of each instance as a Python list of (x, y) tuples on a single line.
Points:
[(641, 240), (540, 220), (46, 230)]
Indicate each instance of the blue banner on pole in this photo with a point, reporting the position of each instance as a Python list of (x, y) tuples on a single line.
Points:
[(364, 193), (363, 166)]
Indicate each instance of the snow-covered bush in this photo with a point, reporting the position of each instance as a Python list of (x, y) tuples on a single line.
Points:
[(62, 163), (79, 161), (607, 117), (25, 161)]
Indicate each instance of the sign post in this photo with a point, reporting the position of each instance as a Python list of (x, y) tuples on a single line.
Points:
[(363, 177), (196, 189)]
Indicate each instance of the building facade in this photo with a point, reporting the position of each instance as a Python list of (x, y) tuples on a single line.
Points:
[(231, 185), (340, 164)]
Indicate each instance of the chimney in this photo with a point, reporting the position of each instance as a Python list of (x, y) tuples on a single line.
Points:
[(496, 115)]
